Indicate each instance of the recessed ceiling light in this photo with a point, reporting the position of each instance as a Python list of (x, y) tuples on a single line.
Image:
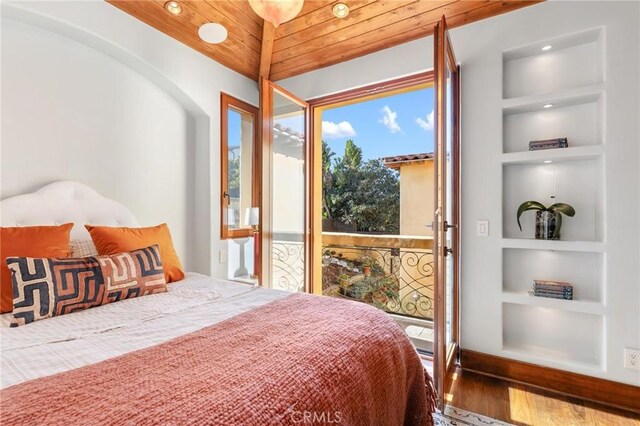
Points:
[(547, 105), (340, 10), (547, 47), (213, 33), (173, 7), (547, 161)]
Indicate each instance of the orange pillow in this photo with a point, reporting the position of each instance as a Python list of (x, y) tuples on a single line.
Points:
[(109, 240), (29, 241)]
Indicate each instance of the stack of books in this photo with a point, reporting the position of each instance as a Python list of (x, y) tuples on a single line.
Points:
[(548, 144), (554, 289)]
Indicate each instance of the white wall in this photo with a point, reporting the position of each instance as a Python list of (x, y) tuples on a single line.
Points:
[(72, 113), (479, 48), (92, 94)]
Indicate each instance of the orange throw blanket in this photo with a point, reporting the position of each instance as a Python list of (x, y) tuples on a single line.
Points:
[(299, 360)]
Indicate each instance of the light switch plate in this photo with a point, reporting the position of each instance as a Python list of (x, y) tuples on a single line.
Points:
[(222, 256), (482, 228)]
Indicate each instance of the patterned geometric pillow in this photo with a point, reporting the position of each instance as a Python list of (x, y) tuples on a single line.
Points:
[(83, 248), (44, 288)]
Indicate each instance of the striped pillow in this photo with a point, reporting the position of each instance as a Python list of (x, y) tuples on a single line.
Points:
[(44, 288), (83, 248)]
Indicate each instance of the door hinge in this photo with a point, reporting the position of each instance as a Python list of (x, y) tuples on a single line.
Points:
[(448, 251)]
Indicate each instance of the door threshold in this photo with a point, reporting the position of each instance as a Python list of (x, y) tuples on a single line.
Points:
[(419, 331)]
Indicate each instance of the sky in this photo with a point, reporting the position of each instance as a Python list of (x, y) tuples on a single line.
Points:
[(233, 127), (383, 127)]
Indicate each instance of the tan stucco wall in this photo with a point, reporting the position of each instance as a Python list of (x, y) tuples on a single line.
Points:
[(416, 198), (416, 211)]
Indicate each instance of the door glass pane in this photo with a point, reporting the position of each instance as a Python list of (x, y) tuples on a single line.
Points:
[(239, 166), (288, 192), (448, 132)]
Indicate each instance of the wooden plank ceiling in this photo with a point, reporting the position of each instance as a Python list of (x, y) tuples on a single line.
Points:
[(315, 38)]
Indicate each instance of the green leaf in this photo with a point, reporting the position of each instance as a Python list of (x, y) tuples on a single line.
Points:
[(563, 208), (528, 205)]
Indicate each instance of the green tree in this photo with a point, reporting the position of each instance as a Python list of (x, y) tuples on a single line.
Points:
[(327, 181), (352, 155), (375, 205), (366, 196)]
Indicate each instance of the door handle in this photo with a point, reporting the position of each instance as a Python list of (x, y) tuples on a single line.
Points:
[(446, 226)]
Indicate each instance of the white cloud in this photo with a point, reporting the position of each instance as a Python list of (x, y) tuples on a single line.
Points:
[(426, 124), (389, 120), (343, 129)]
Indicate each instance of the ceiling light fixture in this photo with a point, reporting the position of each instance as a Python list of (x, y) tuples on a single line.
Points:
[(547, 105), (547, 47), (213, 33), (173, 7), (276, 11), (547, 161), (340, 10)]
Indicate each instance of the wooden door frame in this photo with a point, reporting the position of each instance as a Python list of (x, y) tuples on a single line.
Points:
[(266, 103), (360, 94), (457, 211), (316, 106), (445, 356)]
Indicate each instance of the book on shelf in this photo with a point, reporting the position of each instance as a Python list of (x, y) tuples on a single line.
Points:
[(548, 144), (562, 296), (552, 284), (553, 289)]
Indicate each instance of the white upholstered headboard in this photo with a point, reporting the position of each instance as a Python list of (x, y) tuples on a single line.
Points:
[(64, 202)]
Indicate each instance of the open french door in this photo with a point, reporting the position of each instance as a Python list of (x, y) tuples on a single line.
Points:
[(447, 213), (284, 222)]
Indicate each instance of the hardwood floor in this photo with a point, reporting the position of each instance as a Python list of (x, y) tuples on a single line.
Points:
[(524, 405)]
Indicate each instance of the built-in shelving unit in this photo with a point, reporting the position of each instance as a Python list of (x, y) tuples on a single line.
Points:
[(552, 359), (577, 153), (560, 99), (576, 305), (554, 333), (556, 92), (549, 245)]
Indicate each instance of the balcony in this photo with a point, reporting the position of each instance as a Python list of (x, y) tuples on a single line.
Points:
[(392, 273)]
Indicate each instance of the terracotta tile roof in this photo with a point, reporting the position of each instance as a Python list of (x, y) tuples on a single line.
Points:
[(395, 161)]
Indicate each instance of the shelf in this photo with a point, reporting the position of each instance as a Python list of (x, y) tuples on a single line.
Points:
[(584, 270), (555, 335), (561, 245), (568, 77), (524, 298), (535, 355), (558, 43), (577, 153), (561, 98)]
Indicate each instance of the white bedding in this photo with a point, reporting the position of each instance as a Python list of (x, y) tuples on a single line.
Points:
[(70, 341)]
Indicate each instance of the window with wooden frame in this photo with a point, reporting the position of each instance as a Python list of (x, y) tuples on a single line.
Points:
[(240, 167)]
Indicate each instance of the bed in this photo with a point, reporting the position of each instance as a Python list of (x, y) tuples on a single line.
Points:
[(208, 351)]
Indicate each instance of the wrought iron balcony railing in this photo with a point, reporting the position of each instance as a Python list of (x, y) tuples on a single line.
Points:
[(393, 273), (288, 262)]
